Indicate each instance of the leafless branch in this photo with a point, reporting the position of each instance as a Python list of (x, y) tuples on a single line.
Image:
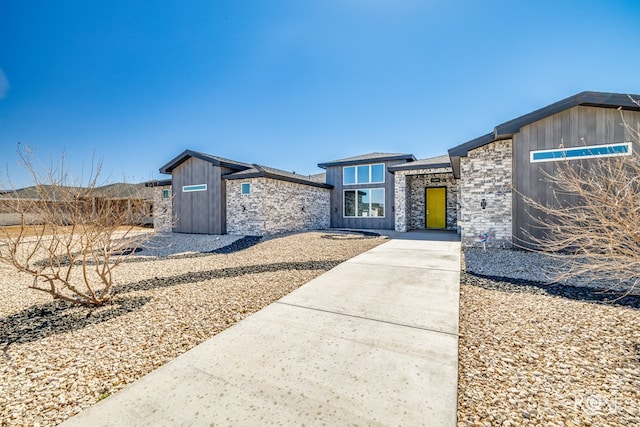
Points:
[(600, 234), (83, 234)]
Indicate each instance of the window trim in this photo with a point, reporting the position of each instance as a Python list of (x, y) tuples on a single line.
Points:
[(344, 205), (369, 166), (581, 152), (242, 186), (194, 188)]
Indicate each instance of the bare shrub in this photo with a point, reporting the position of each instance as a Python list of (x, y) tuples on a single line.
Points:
[(599, 231), (83, 234)]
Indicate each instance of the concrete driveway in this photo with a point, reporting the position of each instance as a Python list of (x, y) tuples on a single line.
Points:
[(374, 341)]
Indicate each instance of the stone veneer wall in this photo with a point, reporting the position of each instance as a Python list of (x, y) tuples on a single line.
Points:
[(162, 210), (401, 200), (487, 173), (410, 197), (417, 185), (275, 206)]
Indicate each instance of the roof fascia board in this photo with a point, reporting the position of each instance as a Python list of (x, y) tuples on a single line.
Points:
[(507, 129), (186, 154), (264, 174), (409, 157), (411, 166), (158, 183)]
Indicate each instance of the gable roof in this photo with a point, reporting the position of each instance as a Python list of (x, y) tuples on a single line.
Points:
[(158, 183), (260, 171), (429, 163), (319, 177), (214, 160), (507, 129), (366, 158)]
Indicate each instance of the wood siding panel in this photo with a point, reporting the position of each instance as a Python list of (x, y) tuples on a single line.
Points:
[(334, 177), (199, 212), (575, 127)]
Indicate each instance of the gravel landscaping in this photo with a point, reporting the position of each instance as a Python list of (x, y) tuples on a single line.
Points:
[(533, 353), (57, 359)]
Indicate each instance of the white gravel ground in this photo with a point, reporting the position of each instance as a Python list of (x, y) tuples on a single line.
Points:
[(552, 355), (533, 266), (56, 359), (529, 355)]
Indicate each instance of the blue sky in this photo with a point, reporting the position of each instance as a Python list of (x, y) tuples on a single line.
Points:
[(292, 83)]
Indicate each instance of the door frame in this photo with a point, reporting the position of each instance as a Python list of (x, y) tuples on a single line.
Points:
[(426, 201)]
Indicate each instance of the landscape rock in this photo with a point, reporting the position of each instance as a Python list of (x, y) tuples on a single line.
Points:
[(57, 359)]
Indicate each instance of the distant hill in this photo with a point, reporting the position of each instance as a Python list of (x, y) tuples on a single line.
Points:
[(118, 190)]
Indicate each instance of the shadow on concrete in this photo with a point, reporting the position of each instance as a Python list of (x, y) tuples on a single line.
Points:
[(433, 235)]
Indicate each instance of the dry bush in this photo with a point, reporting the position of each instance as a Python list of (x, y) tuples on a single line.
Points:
[(600, 233), (84, 235)]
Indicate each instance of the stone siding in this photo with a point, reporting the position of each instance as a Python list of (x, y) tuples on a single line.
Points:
[(162, 210), (410, 197), (401, 201), (275, 206), (487, 173), (417, 185)]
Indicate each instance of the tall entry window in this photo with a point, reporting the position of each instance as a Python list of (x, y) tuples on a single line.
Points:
[(366, 202), (363, 174)]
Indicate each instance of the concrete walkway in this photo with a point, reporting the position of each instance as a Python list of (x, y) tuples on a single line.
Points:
[(374, 341)]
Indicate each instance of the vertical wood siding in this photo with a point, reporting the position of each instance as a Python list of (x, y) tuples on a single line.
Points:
[(200, 212), (334, 177), (577, 126)]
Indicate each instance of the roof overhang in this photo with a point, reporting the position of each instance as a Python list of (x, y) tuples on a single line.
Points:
[(508, 129), (260, 173), (411, 166), (187, 154), (158, 183), (345, 162)]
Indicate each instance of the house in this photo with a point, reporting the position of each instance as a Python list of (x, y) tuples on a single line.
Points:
[(496, 170), (214, 195), (134, 199), (477, 188)]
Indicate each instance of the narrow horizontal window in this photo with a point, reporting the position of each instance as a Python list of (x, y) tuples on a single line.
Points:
[(245, 188), (192, 188), (575, 153)]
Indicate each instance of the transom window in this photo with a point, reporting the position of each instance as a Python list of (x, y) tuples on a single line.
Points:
[(585, 152), (363, 174), (365, 202), (192, 188)]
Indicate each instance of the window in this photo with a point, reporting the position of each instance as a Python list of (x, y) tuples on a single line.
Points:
[(377, 173), (192, 188), (165, 194), (245, 188), (363, 174), (589, 151), (349, 175), (366, 202)]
